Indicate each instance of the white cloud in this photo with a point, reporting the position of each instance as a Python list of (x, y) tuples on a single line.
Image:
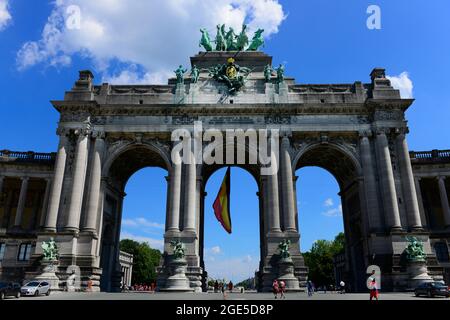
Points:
[(403, 83), (215, 250), (328, 202), (153, 243), (141, 222), (5, 15), (333, 212), (234, 268), (133, 76), (156, 35)]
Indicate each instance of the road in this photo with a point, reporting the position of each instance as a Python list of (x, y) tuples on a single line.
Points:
[(219, 296)]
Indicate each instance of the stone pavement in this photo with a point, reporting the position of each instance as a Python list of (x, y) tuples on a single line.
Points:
[(219, 296)]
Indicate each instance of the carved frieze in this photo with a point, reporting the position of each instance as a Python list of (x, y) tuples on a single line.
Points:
[(231, 120), (184, 119), (277, 119), (388, 115), (75, 116)]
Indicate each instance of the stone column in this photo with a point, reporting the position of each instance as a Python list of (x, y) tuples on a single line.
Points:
[(294, 182), (287, 186), (198, 197), (79, 176), (45, 202), (95, 184), (7, 212), (444, 200), (58, 178), (423, 218), (191, 185), (265, 199), (387, 182), (21, 204), (412, 206), (173, 223), (168, 192), (2, 179), (35, 211), (273, 202), (370, 184)]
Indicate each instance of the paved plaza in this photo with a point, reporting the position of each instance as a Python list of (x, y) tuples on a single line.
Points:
[(219, 296)]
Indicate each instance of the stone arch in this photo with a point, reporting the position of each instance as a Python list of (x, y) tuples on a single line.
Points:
[(338, 149), (120, 163), (206, 175), (344, 165), (156, 156), (253, 169)]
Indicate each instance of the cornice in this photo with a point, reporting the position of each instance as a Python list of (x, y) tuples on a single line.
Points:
[(95, 109), (389, 104)]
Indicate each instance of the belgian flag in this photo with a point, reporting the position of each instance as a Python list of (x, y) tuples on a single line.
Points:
[(221, 205)]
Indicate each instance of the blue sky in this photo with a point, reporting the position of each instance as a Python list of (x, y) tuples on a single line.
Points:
[(319, 41)]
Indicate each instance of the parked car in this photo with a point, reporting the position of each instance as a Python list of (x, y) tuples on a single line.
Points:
[(8, 289), (35, 288), (431, 289)]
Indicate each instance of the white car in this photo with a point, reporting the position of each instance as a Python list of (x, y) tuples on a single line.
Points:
[(35, 288)]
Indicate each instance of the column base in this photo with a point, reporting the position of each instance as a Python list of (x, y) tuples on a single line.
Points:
[(397, 230), (72, 230), (47, 230), (417, 229), (90, 232)]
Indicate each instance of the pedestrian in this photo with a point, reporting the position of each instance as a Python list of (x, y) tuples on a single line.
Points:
[(282, 289), (373, 287), (309, 287), (224, 292), (230, 286), (89, 285), (373, 290), (216, 286), (275, 288), (342, 284)]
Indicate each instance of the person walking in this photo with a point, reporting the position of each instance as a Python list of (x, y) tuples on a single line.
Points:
[(342, 284), (309, 287), (373, 286), (223, 289), (282, 289), (275, 288), (230, 286), (373, 290)]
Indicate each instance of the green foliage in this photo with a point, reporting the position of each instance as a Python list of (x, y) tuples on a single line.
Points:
[(319, 260), (145, 260), (247, 283)]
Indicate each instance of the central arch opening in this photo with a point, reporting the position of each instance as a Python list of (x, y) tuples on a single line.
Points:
[(232, 257)]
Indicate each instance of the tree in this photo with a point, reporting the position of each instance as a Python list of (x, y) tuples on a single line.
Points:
[(145, 260), (247, 283), (319, 260)]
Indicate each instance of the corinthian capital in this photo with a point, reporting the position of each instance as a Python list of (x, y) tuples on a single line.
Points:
[(382, 130), (61, 131), (402, 131), (365, 133), (83, 132), (98, 134)]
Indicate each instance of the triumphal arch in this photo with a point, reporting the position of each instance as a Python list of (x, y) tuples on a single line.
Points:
[(356, 131)]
